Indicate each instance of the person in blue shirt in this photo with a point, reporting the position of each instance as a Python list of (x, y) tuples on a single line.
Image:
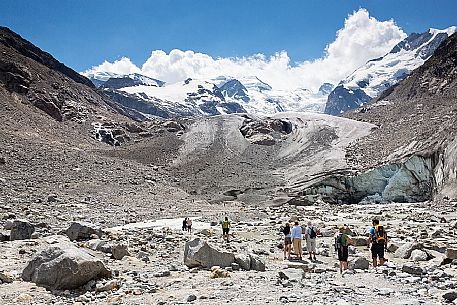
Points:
[(296, 234), (378, 241)]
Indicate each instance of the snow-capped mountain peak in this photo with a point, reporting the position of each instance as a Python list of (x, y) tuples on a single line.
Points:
[(381, 73)]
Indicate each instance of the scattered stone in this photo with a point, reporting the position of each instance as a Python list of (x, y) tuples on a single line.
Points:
[(64, 266), (257, 263), (83, 231), (451, 253), (292, 274), (191, 298), (218, 272), (405, 250), (359, 263), (200, 253), (418, 255), (412, 269), (119, 251), (450, 295), (108, 286), (4, 237), (21, 229), (6, 277)]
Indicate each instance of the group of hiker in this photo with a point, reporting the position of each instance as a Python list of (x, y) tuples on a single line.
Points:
[(293, 236), (225, 223)]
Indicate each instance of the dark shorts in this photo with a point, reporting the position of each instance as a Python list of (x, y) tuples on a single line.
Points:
[(343, 254), (377, 250), (225, 230), (287, 241)]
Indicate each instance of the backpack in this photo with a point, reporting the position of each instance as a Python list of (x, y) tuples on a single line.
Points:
[(312, 233), (380, 235), (339, 241)]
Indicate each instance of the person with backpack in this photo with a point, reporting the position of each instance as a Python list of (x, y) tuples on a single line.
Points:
[(287, 241), (342, 242), (310, 236), (225, 228), (184, 224), (296, 234), (378, 241)]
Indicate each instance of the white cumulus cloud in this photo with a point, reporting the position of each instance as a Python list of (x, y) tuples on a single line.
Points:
[(362, 38)]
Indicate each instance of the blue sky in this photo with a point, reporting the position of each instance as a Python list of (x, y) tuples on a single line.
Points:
[(290, 44), (85, 33)]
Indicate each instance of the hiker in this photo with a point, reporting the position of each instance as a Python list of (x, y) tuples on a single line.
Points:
[(296, 234), (310, 237), (287, 241), (225, 228), (342, 242), (189, 225), (378, 241), (184, 224)]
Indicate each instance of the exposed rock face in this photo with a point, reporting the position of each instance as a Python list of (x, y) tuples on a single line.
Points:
[(265, 132), (199, 253), (83, 231), (342, 99), (64, 266), (21, 229), (411, 181)]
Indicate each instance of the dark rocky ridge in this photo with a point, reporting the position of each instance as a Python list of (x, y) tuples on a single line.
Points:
[(12, 40)]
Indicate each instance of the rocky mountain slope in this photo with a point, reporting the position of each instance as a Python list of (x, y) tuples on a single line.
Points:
[(380, 74)]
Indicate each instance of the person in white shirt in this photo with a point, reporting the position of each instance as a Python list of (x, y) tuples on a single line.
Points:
[(296, 234), (310, 236)]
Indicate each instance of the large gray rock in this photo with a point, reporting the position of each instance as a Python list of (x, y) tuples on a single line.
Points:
[(64, 266), (83, 230), (257, 263), (450, 295), (21, 229), (244, 261), (359, 263), (404, 251), (199, 253)]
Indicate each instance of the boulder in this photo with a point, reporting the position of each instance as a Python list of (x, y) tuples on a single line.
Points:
[(257, 263), (4, 237), (83, 230), (404, 251), (359, 241), (21, 229), (450, 295), (244, 261), (199, 253), (64, 266), (418, 255), (359, 263), (292, 274), (451, 253), (99, 245), (119, 251), (412, 269)]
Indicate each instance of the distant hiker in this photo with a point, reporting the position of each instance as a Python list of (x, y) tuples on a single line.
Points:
[(225, 228), (184, 224), (189, 225), (378, 241), (296, 234), (310, 236), (287, 241), (342, 241)]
